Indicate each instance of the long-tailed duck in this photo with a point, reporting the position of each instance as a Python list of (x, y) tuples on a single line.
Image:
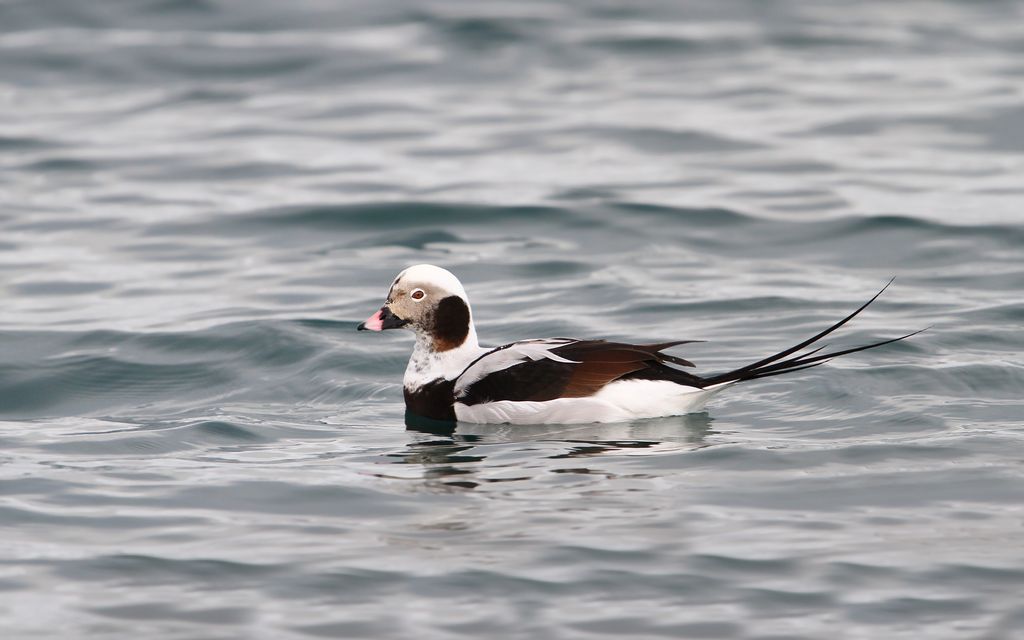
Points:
[(553, 380)]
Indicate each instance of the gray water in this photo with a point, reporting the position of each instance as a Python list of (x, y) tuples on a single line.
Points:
[(200, 199)]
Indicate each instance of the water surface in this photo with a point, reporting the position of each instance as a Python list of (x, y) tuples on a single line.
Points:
[(202, 198)]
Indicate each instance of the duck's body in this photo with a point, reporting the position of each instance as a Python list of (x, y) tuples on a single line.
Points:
[(557, 380), (548, 381)]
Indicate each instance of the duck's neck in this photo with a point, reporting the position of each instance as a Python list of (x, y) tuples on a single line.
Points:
[(427, 364)]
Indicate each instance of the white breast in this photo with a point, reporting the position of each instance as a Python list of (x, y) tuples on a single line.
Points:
[(426, 365)]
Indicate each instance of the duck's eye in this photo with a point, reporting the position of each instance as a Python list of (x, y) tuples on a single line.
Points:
[(417, 294)]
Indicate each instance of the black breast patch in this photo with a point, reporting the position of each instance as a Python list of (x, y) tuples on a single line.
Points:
[(433, 400)]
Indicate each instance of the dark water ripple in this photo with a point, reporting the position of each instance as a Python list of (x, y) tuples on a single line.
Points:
[(202, 198)]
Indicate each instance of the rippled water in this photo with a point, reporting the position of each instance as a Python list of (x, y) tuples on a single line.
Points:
[(201, 199)]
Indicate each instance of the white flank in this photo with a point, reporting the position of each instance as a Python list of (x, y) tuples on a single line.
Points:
[(618, 402)]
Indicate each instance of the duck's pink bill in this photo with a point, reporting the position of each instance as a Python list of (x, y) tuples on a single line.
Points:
[(374, 322)]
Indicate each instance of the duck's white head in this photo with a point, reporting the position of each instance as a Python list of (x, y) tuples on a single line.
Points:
[(431, 302)]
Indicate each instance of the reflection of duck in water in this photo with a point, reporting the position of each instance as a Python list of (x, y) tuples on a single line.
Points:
[(461, 456), (676, 432), (554, 380)]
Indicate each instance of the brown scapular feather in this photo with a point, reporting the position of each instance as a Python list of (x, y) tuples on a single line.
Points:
[(601, 363)]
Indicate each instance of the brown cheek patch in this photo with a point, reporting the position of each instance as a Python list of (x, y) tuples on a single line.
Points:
[(451, 323)]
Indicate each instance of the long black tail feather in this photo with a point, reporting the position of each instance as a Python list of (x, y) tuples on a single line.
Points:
[(780, 362)]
